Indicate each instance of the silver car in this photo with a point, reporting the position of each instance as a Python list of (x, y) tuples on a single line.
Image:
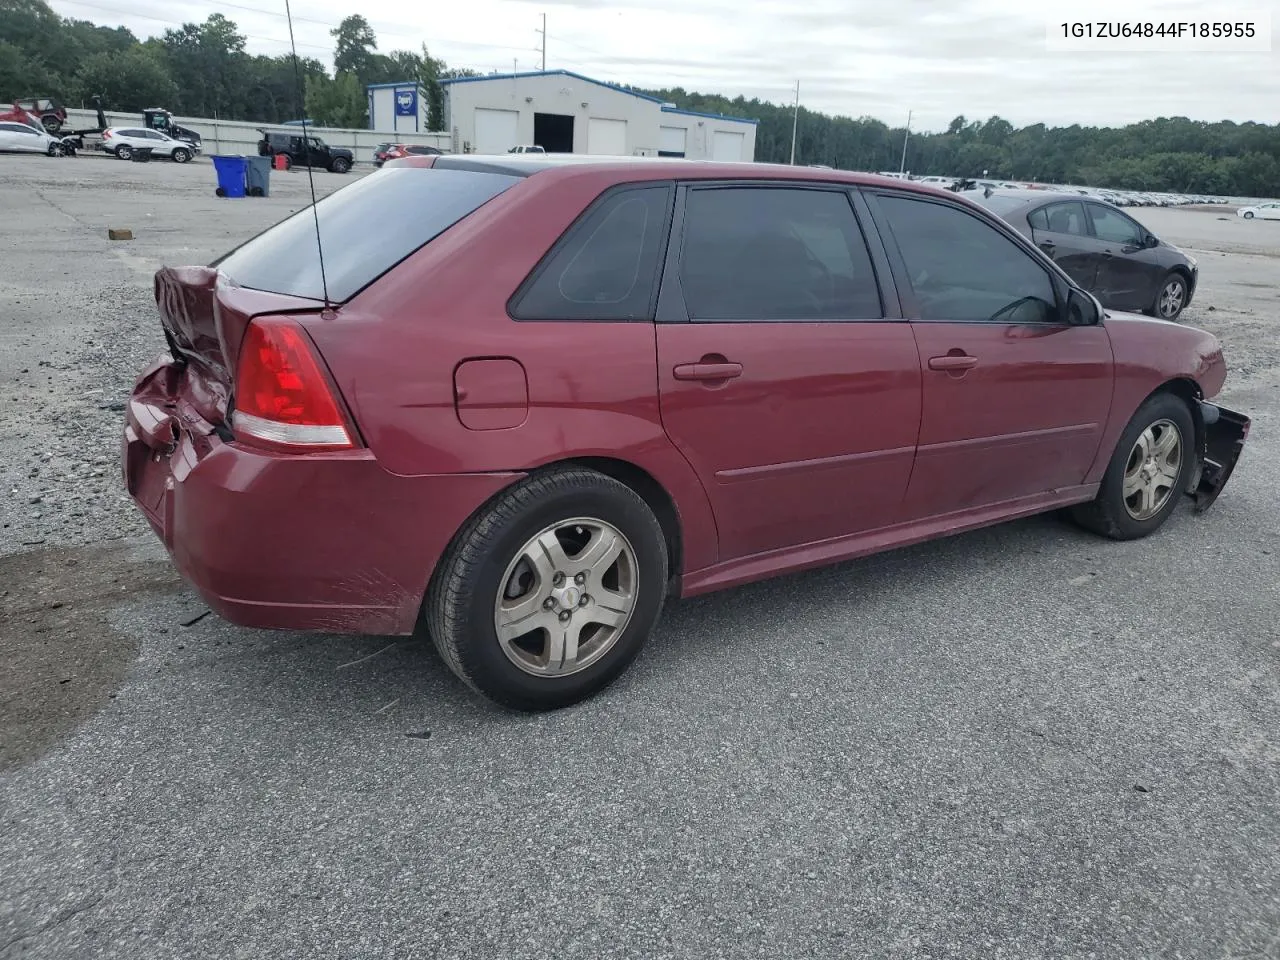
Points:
[(20, 138)]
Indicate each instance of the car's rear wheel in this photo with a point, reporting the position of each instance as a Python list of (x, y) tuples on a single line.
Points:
[(51, 124), (549, 593), (124, 152), (1150, 469), (181, 155)]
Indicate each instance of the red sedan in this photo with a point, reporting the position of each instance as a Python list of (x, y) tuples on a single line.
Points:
[(524, 400)]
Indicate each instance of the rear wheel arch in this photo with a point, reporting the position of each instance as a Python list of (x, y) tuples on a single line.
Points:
[(639, 480), (650, 491)]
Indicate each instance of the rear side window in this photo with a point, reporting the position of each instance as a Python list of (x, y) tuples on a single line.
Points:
[(606, 266), (775, 253), (365, 230), (1067, 218)]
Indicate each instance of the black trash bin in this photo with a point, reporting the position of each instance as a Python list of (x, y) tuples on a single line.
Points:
[(141, 154)]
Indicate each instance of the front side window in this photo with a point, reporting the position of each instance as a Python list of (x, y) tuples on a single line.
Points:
[(775, 253), (606, 268), (964, 270), (1114, 226)]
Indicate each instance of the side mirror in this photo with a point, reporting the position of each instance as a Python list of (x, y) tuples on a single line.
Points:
[(1152, 240), (1082, 309)]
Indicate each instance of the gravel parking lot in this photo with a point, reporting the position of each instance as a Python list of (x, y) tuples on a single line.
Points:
[(1023, 742)]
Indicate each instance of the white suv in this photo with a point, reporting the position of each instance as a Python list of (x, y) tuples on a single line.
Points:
[(122, 141)]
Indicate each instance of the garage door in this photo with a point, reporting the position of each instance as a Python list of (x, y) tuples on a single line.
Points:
[(607, 137), (497, 131), (671, 141), (726, 146)]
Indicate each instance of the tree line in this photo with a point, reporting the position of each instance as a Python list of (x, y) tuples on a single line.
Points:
[(203, 70)]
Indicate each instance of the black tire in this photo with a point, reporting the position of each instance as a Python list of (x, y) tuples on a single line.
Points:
[(1107, 514), (1248, 214), (51, 124), (124, 152), (1173, 287), (340, 165), (56, 149), (219, 192), (460, 607), (181, 155)]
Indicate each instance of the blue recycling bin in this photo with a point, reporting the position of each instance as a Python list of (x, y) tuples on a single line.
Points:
[(231, 175)]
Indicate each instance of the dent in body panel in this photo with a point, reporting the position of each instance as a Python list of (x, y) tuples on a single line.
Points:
[(1150, 353)]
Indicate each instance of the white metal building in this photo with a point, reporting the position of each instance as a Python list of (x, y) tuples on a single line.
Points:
[(564, 112), (397, 107)]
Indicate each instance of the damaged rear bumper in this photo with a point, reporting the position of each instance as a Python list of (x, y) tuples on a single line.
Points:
[(1224, 434)]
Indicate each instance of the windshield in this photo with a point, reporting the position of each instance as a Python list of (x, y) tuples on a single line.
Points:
[(365, 230)]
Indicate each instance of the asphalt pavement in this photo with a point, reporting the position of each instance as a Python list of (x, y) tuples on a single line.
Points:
[(1022, 742)]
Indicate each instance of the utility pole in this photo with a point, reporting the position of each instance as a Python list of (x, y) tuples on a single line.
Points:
[(543, 47), (795, 121), (907, 133)]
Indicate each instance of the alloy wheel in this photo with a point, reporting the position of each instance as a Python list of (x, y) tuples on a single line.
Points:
[(1152, 471), (566, 597), (1171, 297)]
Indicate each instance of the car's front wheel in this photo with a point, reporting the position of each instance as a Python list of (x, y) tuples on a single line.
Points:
[(340, 165), (1150, 468), (1170, 298), (124, 152), (549, 593), (1248, 214), (181, 155)]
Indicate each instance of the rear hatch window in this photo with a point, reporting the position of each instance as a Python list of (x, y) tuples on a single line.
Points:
[(365, 229)]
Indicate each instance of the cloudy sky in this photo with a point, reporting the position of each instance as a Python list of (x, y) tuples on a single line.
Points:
[(936, 58)]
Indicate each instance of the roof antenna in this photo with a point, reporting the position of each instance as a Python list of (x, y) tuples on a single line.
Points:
[(311, 177)]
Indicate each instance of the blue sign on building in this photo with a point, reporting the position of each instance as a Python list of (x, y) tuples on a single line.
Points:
[(406, 103)]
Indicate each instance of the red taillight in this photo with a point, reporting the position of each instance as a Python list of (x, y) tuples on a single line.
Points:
[(106, 134), (282, 394)]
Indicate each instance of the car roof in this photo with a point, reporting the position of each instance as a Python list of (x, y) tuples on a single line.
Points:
[(1038, 198), (528, 164)]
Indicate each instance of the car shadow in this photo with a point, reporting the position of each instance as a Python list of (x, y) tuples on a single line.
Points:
[(387, 681)]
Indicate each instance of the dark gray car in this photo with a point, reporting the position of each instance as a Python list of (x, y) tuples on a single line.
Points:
[(1102, 248)]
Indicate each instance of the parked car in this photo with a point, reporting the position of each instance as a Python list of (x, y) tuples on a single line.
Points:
[(1104, 250), (380, 153), (308, 151), (1263, 211), (395, 151), (123, 141), (527, 149), (18, 137), (457, 427)]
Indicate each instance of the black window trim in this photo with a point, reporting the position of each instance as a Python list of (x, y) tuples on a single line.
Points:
[(575, 229), (671, 302), (1093, 230), (1058, 279)]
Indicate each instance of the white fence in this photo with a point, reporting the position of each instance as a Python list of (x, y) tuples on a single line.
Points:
[(235, 136)]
